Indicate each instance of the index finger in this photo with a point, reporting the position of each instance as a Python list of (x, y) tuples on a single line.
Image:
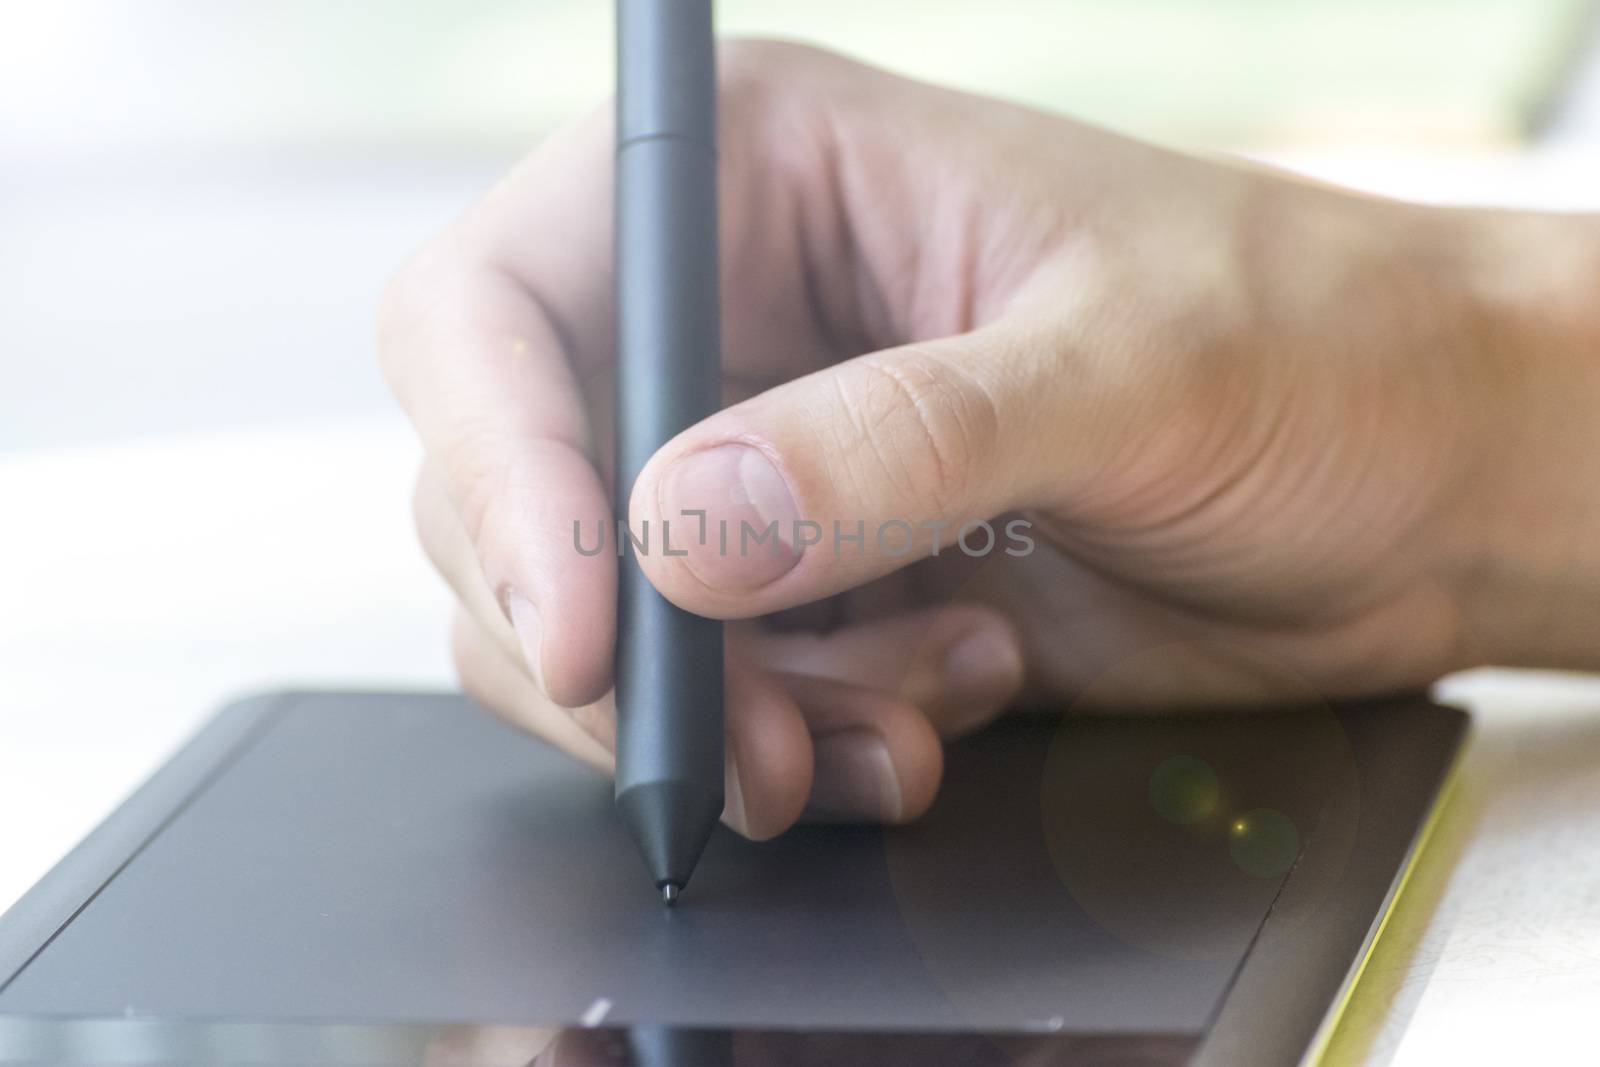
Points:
[(483, 357)]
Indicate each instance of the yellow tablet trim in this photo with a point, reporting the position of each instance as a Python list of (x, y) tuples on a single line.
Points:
[(1317, 1055)]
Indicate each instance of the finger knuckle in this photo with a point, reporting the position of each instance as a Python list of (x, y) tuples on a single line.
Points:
[(476, 462), (745, 63)]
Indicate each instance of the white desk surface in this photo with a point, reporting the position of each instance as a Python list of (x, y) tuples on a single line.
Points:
[(145, 584)]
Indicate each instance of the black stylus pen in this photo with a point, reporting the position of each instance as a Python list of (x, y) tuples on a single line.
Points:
[(669, 662)]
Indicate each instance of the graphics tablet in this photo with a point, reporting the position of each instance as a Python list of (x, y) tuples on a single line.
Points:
[(371, 878)]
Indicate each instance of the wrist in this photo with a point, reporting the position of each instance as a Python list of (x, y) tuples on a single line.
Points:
[(1527, 537)]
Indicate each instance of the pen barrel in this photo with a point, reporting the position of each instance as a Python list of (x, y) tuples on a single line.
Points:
[(669, 662), (666, 71)]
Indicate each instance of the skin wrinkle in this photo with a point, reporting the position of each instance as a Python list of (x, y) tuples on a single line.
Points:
[(947, 471), (864, 439), (1169, 527), (1156, 530), (977, 416), (477, 473), (1146, 499), (1180, 562), (1256, 501)]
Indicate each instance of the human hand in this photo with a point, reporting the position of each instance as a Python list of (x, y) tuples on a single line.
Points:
[(1243, 414)]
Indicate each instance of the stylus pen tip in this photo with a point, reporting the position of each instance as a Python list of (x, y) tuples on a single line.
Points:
[(669, 893)]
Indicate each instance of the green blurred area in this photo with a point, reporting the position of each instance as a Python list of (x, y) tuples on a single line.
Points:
[(1227, 71), (1216, 72)]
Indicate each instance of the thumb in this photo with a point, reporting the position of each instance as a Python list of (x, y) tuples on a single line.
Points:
[(831, 480)]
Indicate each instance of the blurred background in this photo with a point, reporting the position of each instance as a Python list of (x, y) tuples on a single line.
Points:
[(200, 198), (203, 483)]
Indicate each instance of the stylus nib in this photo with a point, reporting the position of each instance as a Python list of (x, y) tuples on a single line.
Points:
[(669, 893)]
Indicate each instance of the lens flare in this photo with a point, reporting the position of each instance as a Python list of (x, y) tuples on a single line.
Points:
[(1264, 843), (1183, 790)]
